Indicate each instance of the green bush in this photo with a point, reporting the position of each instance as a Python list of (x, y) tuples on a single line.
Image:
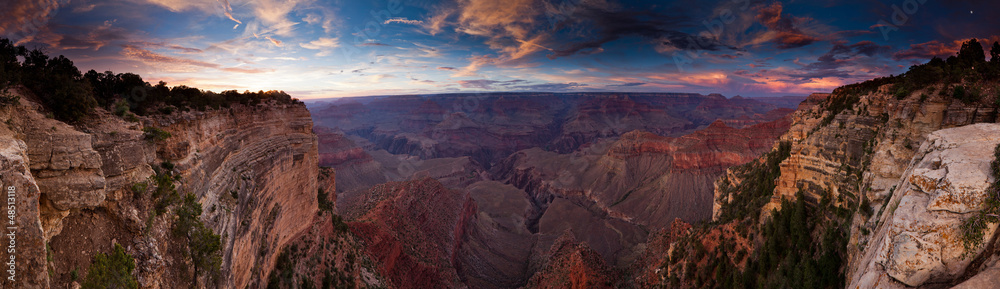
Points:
[(204, 246), (111, 271), (121, 107), (959, 92), (756, 187), (155, 134), (324, 204)]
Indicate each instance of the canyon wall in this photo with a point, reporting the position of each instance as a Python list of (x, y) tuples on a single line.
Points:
[(252, 168)]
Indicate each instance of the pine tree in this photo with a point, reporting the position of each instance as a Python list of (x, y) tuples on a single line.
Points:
[(111, 271), (995, 53)]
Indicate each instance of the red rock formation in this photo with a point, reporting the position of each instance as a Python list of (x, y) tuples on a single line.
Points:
[(573, 265), (409, 229)]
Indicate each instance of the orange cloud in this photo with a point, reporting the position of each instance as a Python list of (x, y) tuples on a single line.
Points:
[(25, 18), (786, 31), (178, 64)]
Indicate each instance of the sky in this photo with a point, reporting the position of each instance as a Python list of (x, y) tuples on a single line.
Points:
[(320, 49)]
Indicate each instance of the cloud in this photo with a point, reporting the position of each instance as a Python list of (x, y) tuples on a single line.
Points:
[(784, 28), (178, 48), (478, 83), (269, 16), (630, 84), (70, 37), (403, 20), (552, 87), (662, 30), (509, 26), (447, 68), (475, 63), (84, 8), (247, 70), (374, 44), (22, 19), (228, 11), (324, 44), (178, 64), (928, 50), (275, 41), (859, 56), (170, 63)]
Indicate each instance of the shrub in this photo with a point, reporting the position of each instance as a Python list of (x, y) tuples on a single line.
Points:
[(958, 93), (7, 98), (111, 271), (121, 107), (324, 204), (973, 228), (155, 134), (204, 246)]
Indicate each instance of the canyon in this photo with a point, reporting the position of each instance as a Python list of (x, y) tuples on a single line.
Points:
[(522, 183), (508, 190)]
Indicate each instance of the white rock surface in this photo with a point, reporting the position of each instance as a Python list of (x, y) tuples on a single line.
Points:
[(919, 239)]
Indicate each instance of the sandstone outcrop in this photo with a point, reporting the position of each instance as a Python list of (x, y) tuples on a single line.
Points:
[(268, 156), (919, 239), (30, 239), (253, 168)]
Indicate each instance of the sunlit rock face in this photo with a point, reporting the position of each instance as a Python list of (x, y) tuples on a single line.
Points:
[(254, 170), (920, 239), (268, 156)]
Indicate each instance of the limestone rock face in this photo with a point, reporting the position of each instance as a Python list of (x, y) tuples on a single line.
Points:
[(254, 169), (29, 237), (64, 163), (919, 241), (267, 158)]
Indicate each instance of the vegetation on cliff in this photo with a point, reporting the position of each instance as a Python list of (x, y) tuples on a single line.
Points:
[(70, 95), (755, 188), (975, 226), (204, 246), (111, 271), (799, 246), (805, 243)]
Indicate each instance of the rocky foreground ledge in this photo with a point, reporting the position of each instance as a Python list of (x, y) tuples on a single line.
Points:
[(918, 240)]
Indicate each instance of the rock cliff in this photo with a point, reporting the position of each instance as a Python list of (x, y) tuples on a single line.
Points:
[(252, 168), (918, 239), (868, 161)]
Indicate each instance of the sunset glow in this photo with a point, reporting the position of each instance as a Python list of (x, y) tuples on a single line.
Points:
[(319, 49)]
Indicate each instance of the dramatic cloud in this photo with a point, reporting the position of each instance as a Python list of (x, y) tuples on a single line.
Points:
[(785, 32), (928, 50), (662, 29), (753, 47), (840, 56), (179, 64), (22, 19)]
